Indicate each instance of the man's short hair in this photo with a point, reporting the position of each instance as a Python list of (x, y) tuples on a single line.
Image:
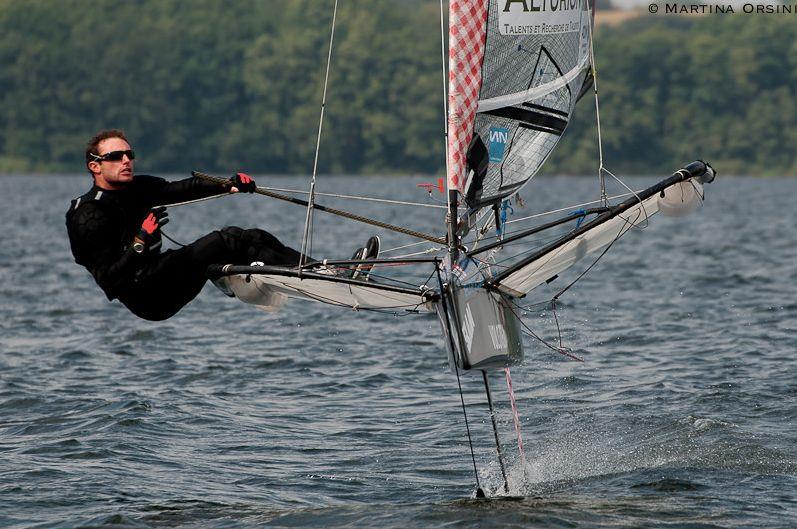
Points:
[(93, 144)]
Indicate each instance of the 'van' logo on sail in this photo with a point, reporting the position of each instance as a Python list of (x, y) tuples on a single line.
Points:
[(497, 139)]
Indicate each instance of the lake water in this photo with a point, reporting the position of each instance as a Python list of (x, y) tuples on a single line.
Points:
[(684, 413)]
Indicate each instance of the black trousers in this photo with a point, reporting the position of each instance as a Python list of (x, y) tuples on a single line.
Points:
[(175, 277)]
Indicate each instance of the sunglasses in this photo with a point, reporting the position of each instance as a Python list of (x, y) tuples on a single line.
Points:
[(114, 156)]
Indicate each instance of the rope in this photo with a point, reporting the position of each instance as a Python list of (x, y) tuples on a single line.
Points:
[(425, 252), (169, 238), (353, 197), (403, 246), (556, 320), (333, 211)]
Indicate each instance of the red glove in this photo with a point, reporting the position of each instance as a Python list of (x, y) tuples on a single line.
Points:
[(150, 228), (243, 182)]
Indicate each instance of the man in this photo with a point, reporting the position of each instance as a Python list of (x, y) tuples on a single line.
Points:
[(114, 231)]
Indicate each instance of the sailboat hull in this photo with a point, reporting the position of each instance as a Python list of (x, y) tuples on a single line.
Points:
[(481, 329)]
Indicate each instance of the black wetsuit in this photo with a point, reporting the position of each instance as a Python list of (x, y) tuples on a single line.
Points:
[(155, 285)]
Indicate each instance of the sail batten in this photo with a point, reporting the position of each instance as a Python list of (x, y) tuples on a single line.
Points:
[(537, 92)]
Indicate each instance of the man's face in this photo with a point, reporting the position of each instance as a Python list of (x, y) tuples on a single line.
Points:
[(110, 174)]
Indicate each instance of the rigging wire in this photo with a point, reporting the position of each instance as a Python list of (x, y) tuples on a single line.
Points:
[(536, 244), (353, 197), (392, 281), (306, 243), (635, 193), (561, 349), (526, 240)]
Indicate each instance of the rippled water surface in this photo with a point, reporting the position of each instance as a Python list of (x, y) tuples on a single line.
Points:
[(684, 413)]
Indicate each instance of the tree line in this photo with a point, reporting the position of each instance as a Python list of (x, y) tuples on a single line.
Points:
[(225, 85)]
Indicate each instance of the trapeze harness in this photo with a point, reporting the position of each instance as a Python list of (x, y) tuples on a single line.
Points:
[(155, 285)]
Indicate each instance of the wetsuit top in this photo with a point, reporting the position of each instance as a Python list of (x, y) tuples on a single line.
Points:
[(102, 223)]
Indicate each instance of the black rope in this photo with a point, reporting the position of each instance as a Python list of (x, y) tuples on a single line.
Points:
[(172, 240)]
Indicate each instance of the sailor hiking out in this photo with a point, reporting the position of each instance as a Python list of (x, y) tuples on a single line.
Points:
[(115, 232)]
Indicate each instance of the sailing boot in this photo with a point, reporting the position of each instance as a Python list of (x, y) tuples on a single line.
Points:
[(369, 251)]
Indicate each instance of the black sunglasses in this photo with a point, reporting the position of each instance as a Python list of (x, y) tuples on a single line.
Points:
[(114, 156)]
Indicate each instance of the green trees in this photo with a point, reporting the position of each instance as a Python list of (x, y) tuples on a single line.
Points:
[(220, 86), (673, 89)]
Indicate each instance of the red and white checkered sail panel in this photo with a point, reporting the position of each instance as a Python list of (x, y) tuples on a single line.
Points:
[(467, 34)]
